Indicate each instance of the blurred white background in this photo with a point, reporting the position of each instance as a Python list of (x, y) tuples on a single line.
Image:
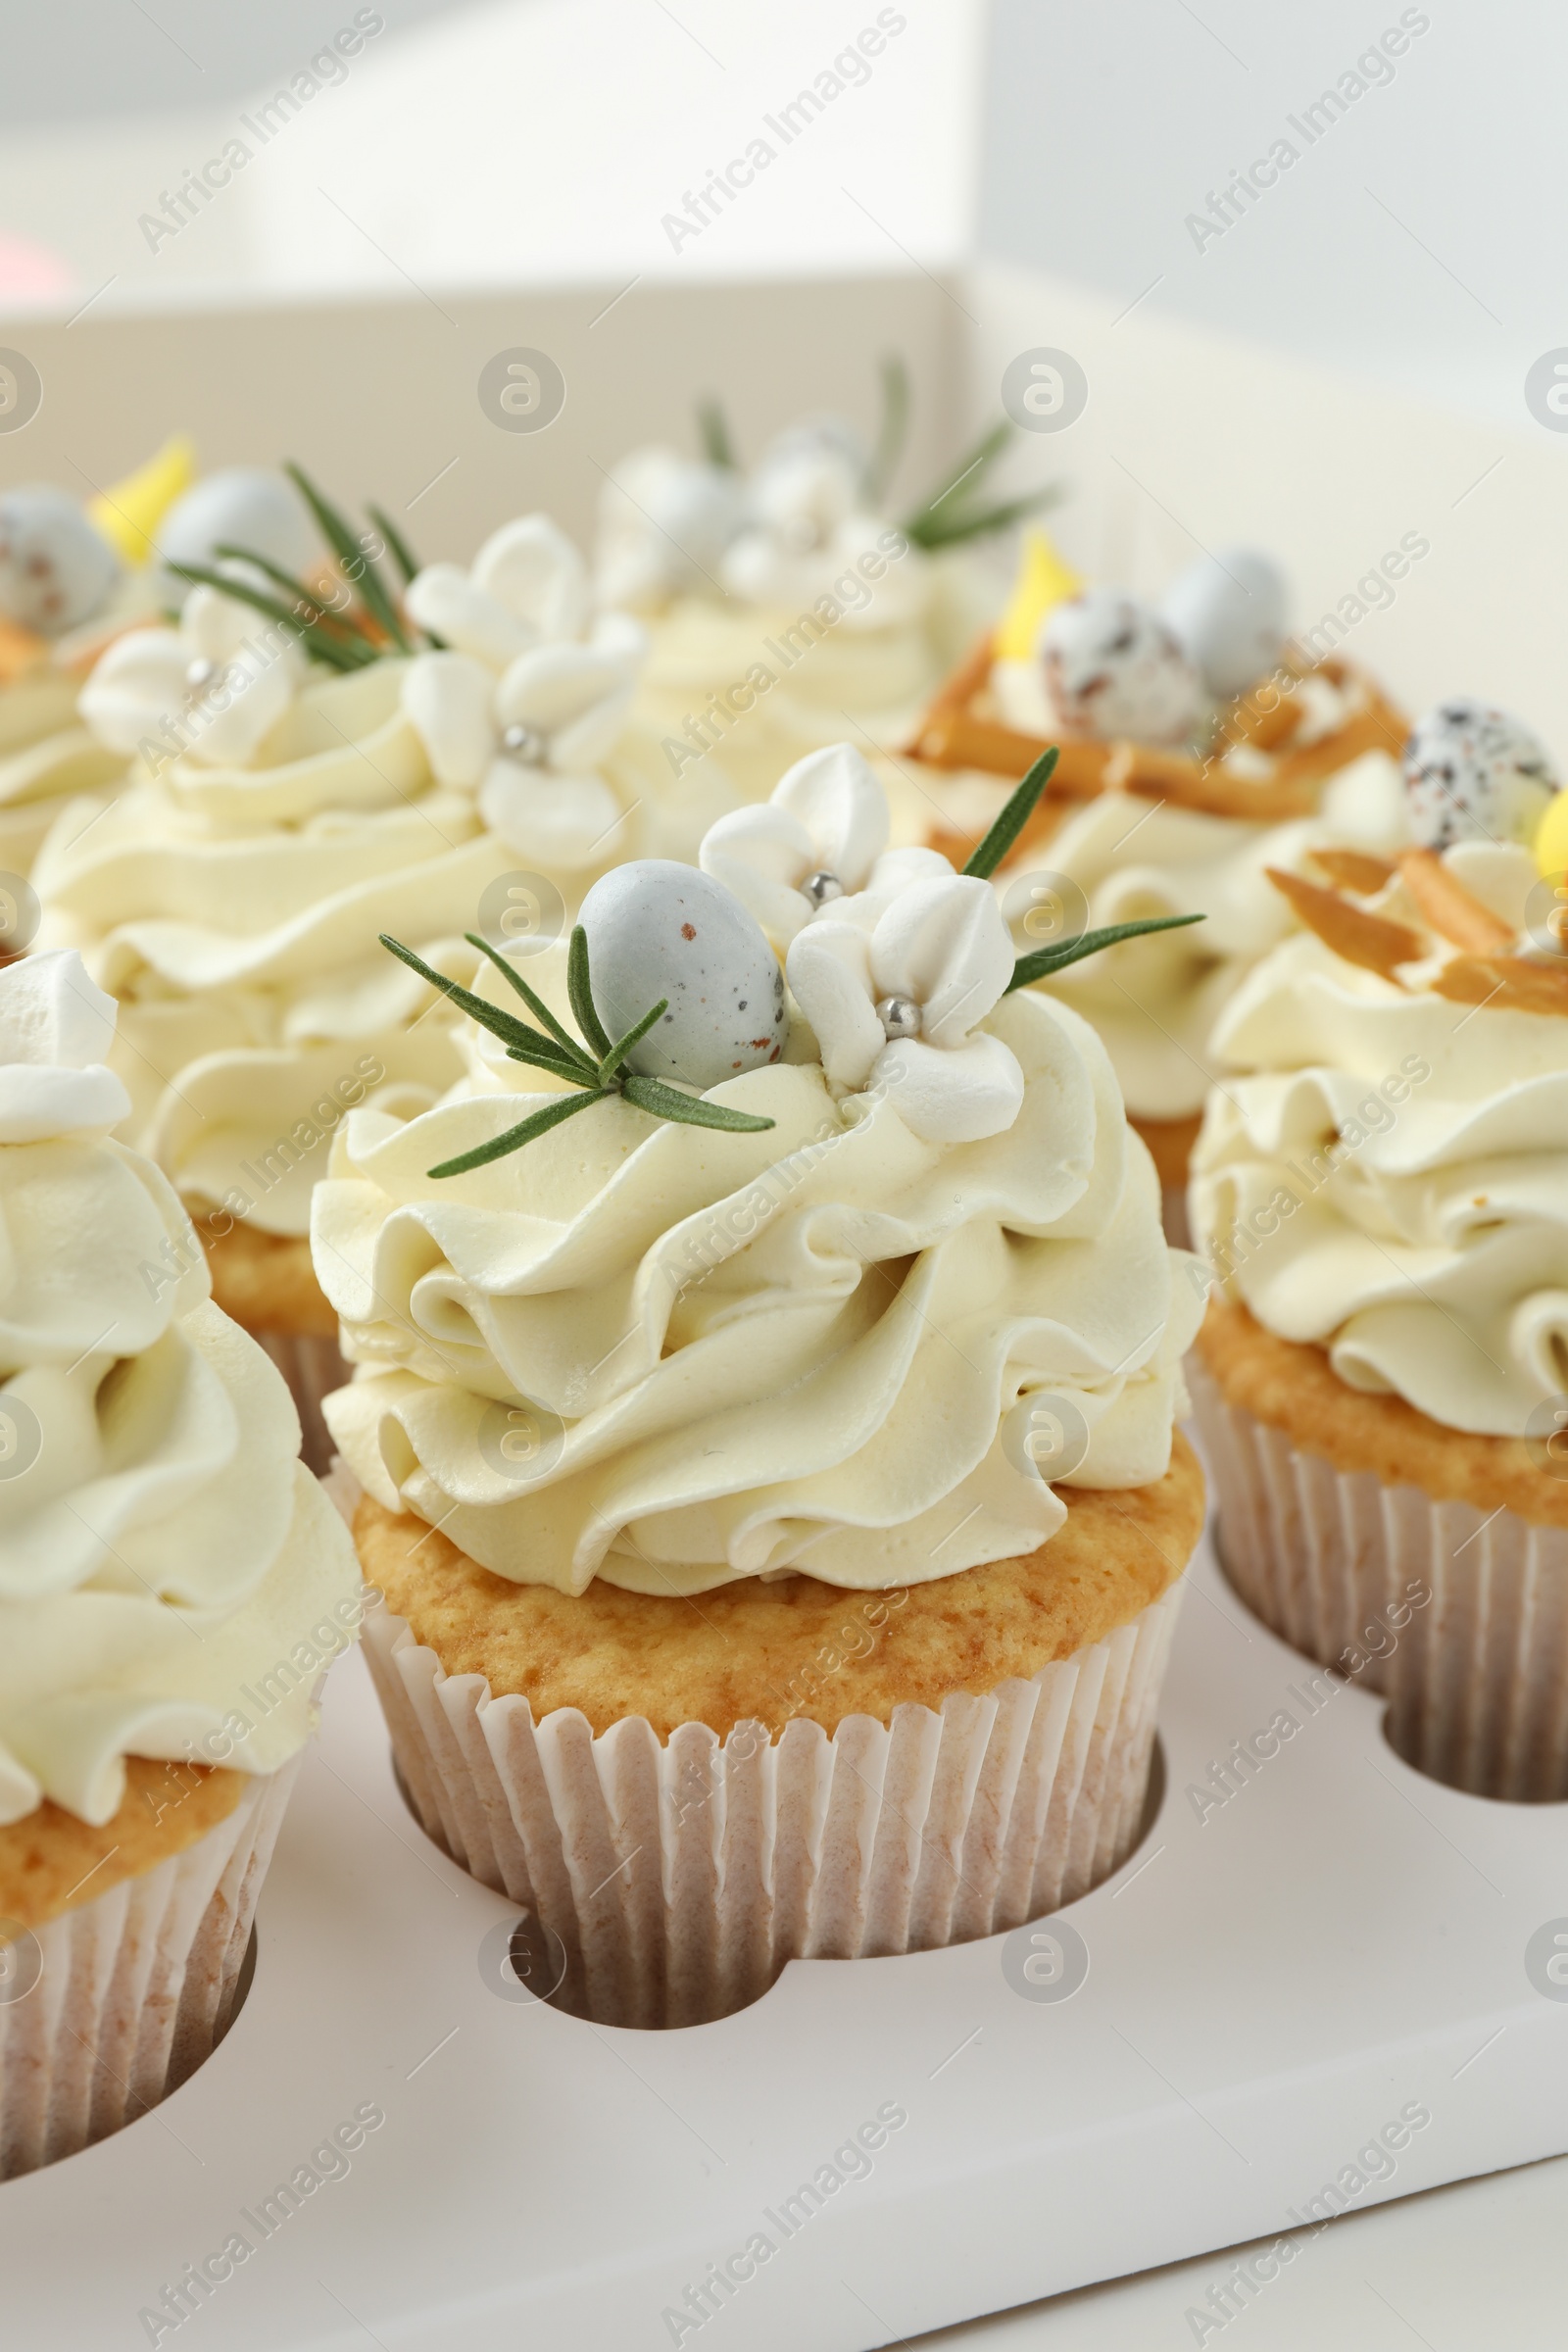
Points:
[(1321, 365), (1415, 238)]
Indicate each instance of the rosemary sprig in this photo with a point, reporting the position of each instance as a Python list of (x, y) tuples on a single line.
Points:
[(995, 846), (342, 623), (398, 547), (1014, 817), (355, 564), (1045, 961), (713, 427), (334, 653), (978, 522), (892, 430), (600, 1073), (929, 528)]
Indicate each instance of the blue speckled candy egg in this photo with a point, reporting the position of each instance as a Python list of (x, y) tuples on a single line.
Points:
[(1228, 615), (1113, 670), (1474, 773), (658, 929), (239, 505), (55, 570)]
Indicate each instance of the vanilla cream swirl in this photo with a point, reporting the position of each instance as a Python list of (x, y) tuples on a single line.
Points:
[(1155, 1000), (234, 914), (739, 1355), (172, 1577), (1389, 1177)]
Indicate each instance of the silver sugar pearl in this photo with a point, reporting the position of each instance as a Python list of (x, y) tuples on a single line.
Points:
[(200, 674), (821, 886), (525, 744), (900, 1017)]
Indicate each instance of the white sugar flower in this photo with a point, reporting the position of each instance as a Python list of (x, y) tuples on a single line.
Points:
[(897, 1007), (806, 522), (56, 1029), (214, 688), (518, 707), (527, 585), (664, 521), (818, 843)]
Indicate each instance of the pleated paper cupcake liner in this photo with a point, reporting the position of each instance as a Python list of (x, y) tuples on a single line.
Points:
[(1458, 1619), (133, 1990), (312, 1369), (672, 1880), (1174, 1218)]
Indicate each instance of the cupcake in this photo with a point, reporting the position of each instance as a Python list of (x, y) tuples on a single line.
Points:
[(1381, 1187), (763, 1397), (72, 579), (782, 600), (296, 783), (172, 1583), (1197, 748), (62, 592)]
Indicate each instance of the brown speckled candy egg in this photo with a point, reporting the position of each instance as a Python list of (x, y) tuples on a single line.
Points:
[(1115, 669), (55, 568), (658, 929), (1472, 772)]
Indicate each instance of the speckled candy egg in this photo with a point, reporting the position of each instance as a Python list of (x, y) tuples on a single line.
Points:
[(55, 570), (240, 506), (1228, 615), (1113, 668), (658, 929), (1474, 773)]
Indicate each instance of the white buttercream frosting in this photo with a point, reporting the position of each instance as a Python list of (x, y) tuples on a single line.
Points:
[(779, 605), (234, 910), (1385, 1173), (1155, 1000), (671, 1357), (170, 1576)]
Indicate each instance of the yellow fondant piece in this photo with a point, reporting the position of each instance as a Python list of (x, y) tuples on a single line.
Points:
[(129, 512), (1552, 837), (1043, 582)]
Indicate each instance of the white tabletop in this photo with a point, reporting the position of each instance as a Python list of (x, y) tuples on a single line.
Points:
[(1478, 2267)]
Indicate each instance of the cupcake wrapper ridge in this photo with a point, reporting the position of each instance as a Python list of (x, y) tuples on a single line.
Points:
[(1458, 1620), (674, 1880), (133, 1990)]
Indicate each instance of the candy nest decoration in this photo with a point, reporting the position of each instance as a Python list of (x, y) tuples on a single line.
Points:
[(1203, 704)]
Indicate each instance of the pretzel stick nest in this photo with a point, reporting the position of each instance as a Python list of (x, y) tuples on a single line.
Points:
[(1353, 869), (1359, 937), (1510, 982), (1456, 913), (954, 735)]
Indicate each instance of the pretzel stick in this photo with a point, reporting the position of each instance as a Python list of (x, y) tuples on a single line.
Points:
[(1353, 869), (1246, 722), (1510, 982), (1363, 731), (969, 678), (1456, 913), (1368, 940), (19, 650)]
